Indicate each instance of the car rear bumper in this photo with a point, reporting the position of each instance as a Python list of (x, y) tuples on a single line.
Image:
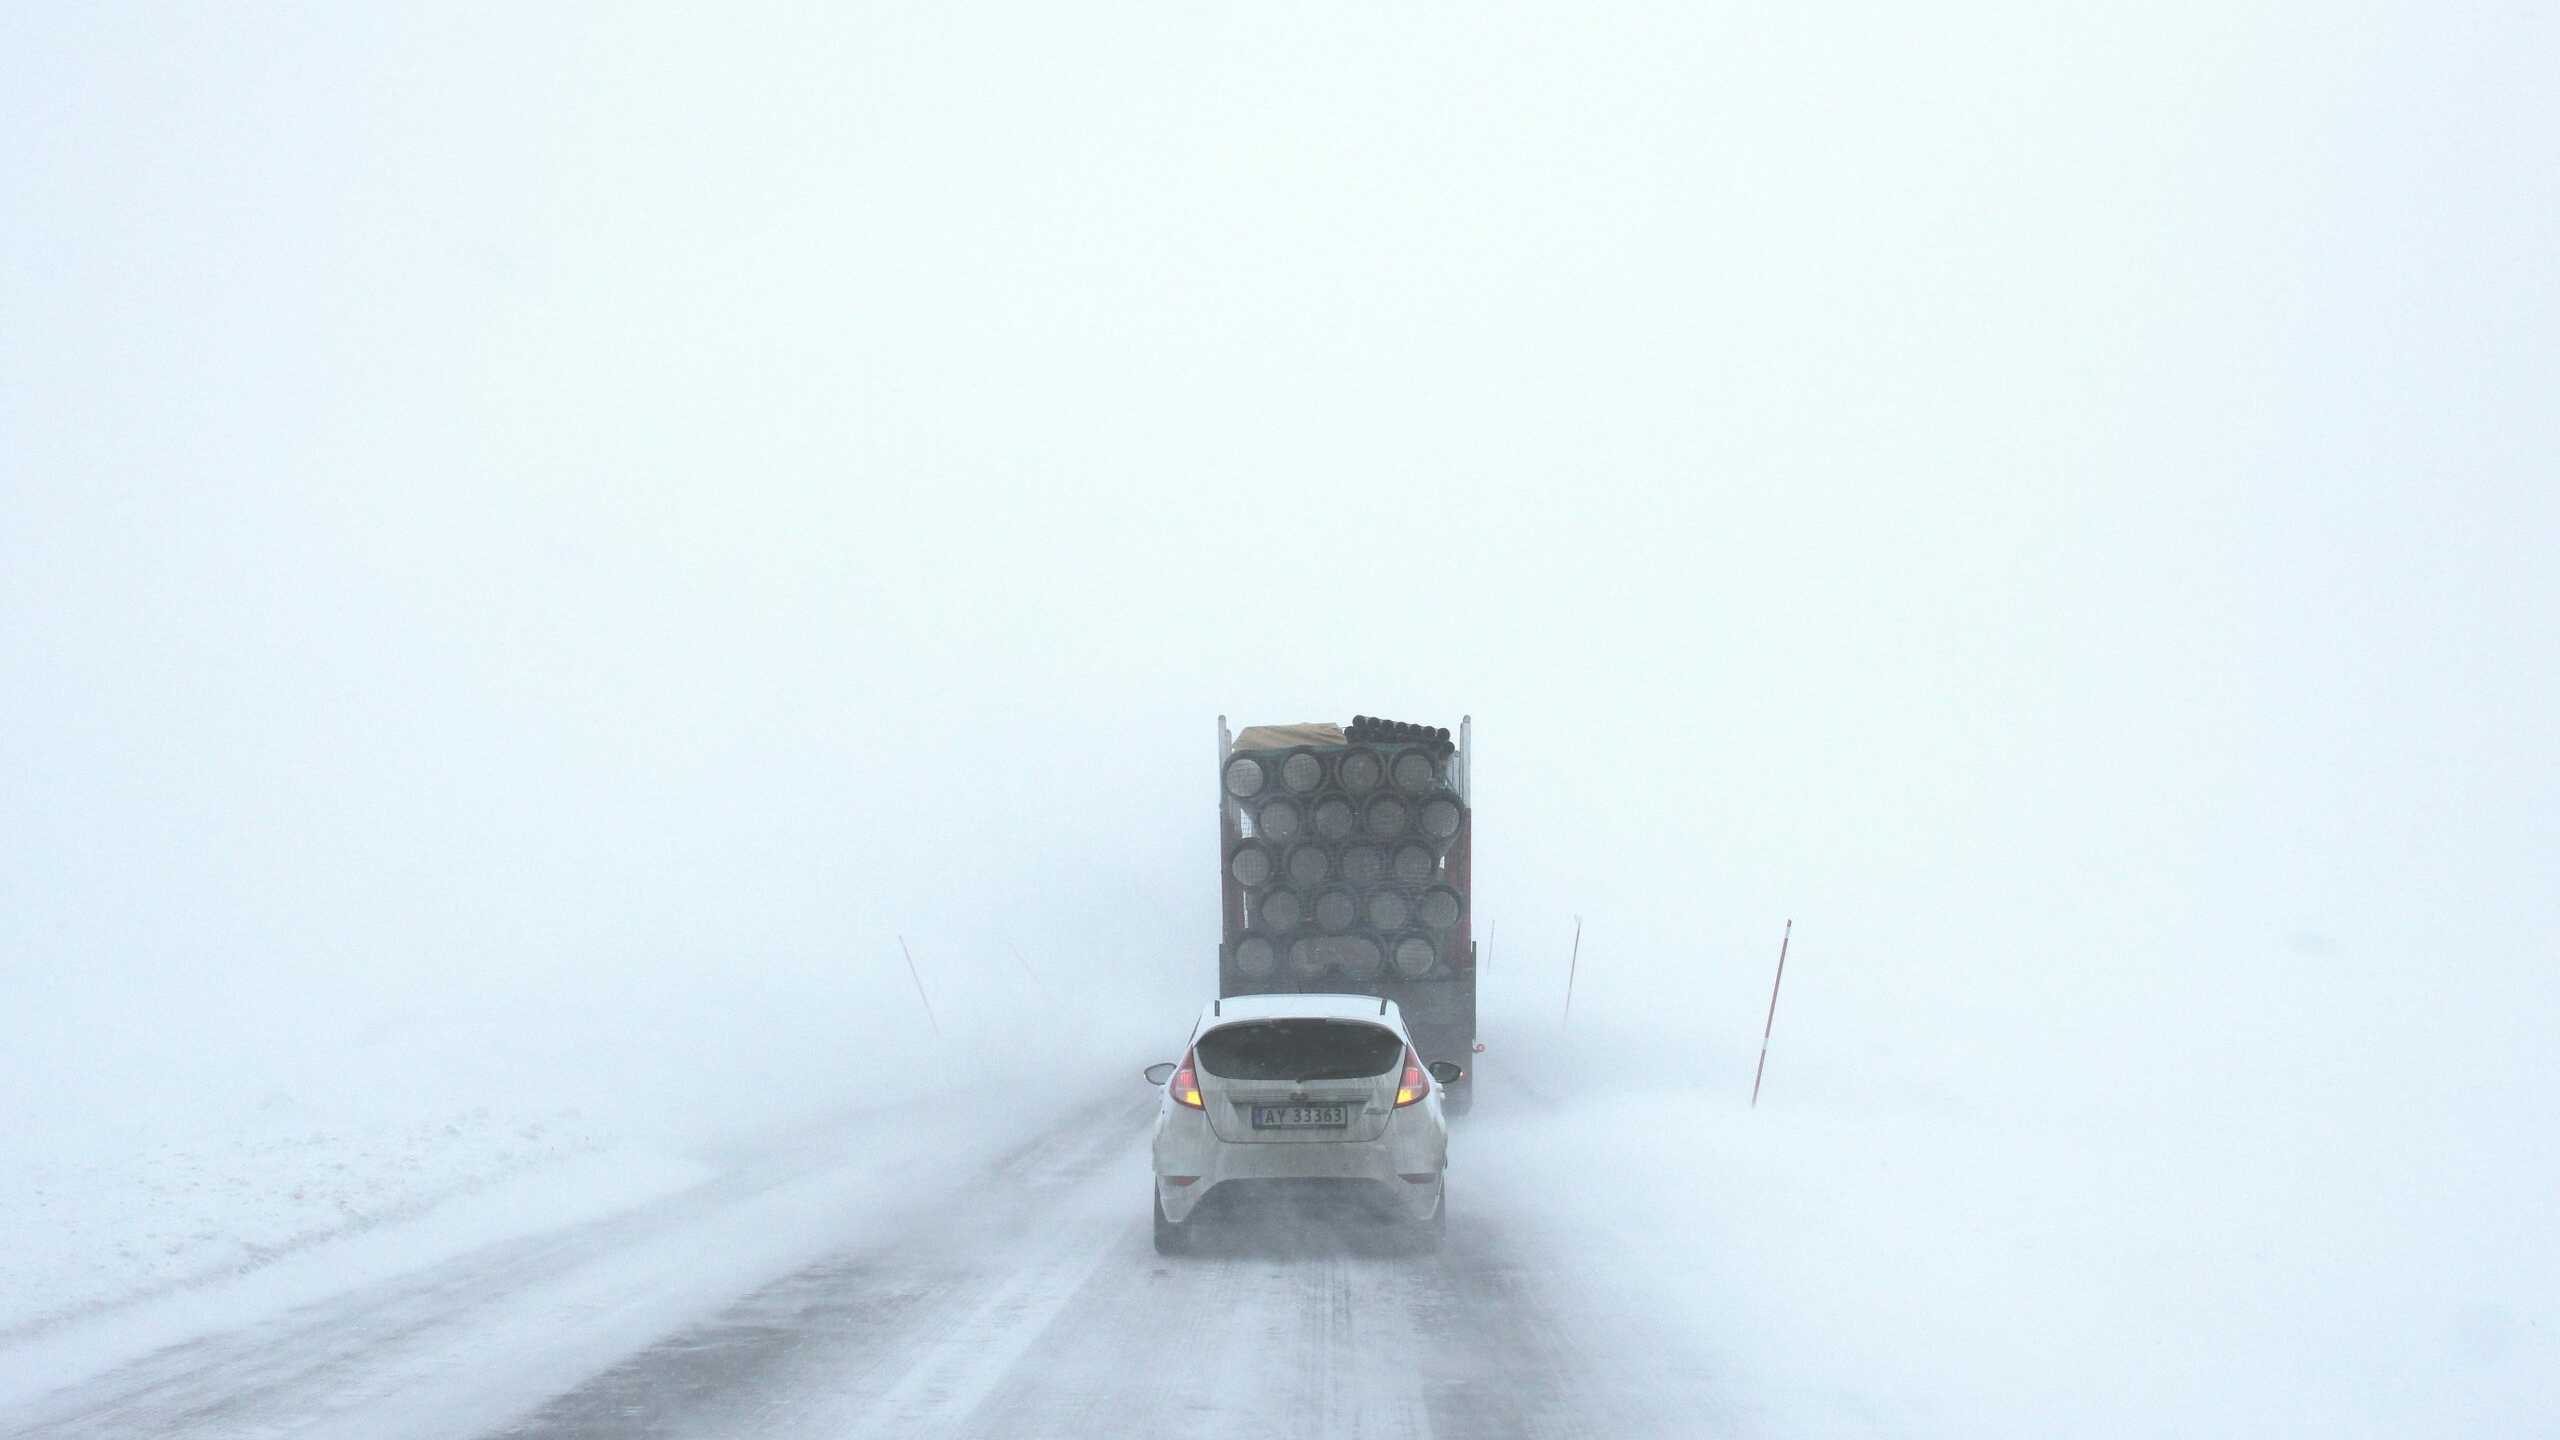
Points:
[(1372, 1170), (1292, 1201)]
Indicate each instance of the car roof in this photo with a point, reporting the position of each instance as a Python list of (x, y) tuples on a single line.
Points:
[(1301, 1007)]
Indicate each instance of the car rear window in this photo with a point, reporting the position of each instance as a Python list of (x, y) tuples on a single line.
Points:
[(1299, 1050)]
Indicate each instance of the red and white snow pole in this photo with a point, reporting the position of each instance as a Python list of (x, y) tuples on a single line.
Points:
[(1772, 1022)]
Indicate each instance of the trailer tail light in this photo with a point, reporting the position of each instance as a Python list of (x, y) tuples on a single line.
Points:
[(1415, 1084), (1186, 1081)]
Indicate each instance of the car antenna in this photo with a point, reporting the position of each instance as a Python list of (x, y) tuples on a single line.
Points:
[(1382, 1004), (1214, 1010)]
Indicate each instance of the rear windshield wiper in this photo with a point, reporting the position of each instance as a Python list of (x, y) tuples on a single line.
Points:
[(1338, 1073)]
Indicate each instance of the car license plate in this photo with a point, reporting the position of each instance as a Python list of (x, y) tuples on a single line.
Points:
[(1301, 1117)]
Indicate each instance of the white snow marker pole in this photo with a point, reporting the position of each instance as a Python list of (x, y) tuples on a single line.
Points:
[(919, 979), (1772, 1022), (1570, 967)]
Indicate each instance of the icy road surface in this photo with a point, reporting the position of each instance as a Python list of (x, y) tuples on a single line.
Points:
[(1017, 1299)]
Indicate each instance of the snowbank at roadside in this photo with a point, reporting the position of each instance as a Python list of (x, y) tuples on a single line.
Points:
[(145, 1210), (1878, 1263), (151, 1189)]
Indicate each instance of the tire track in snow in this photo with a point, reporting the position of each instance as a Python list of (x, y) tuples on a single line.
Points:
[(889, 1338), (1023, 1302), (458, 1347), (1037, 1308)]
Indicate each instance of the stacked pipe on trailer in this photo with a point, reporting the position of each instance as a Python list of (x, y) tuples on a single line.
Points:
[(1342, 854)]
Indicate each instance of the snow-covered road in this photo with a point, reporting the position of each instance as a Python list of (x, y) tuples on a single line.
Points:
[(838, 1286)]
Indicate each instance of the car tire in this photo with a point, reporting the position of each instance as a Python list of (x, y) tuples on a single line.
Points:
[(1423, 1237), (1171, 1239)]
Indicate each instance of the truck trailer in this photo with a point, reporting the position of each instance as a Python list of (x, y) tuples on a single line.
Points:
[(1346, 867)]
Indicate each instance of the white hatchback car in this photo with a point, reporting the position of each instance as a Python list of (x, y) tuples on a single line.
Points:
[(1320, 1101)]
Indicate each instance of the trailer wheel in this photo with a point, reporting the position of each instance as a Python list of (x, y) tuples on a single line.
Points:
[(1459, 1096)]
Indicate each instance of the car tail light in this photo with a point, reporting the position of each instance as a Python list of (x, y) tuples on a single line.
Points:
[(1415, 1084), (1186, 1082)]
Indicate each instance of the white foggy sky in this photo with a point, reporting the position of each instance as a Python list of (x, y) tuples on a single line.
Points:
[(487, 497)]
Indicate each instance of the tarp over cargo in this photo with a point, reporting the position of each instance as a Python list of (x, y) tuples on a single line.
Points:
[(1284, 737)]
